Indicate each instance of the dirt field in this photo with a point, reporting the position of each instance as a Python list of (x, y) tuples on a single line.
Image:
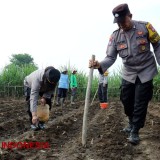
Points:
[(105, 140)]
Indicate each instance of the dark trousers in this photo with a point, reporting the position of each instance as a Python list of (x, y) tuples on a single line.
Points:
[(73, 91), (102, 93), (62, 92), (135, 98), (27, 92)]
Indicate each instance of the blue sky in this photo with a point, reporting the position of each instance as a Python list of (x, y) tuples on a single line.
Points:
[(56, 32)]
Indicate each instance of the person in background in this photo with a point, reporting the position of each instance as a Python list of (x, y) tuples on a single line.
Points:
[(73, 85), (62, 87), (131, 41), (103, 87), (39, 83)]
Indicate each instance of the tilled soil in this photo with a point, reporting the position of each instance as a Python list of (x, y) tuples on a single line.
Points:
[(105, 139)]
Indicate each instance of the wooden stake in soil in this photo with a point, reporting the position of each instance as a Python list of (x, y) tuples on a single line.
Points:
[(94, 97), (87, 100)]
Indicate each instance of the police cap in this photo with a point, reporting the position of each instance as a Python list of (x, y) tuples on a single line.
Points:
[(119, 12), (52, 75)]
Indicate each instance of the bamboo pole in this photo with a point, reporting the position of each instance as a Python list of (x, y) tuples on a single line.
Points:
[(87, 100)]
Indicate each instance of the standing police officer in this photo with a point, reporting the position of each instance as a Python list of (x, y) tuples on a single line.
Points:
[(131, 41)]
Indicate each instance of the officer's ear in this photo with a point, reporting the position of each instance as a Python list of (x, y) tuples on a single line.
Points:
[(130, 15)]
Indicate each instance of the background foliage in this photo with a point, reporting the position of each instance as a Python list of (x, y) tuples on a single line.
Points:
[(14, 74)]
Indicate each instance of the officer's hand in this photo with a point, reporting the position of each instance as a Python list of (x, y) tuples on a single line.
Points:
[(43, 101), (95, 64), (34, 119)]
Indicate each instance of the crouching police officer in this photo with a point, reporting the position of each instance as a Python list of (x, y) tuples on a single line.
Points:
[(40, 83), (131, 41)]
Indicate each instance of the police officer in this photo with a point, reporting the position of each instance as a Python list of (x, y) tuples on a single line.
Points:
[(41, 83), (131, 41)]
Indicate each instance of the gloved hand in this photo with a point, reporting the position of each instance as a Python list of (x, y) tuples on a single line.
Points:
[(95, 64)]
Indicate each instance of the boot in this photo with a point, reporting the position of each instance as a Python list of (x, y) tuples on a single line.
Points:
[(58, 101), (62, 102), (129, 127), (34, 127), (72, 98), (41, 125), (134, 136)]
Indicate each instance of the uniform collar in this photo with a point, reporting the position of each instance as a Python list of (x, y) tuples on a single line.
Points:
[(133, 28)]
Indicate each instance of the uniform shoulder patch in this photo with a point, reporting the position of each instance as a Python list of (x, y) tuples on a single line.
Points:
[(110, 40)]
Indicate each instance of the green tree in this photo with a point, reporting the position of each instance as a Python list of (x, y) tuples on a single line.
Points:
[(22, 59)]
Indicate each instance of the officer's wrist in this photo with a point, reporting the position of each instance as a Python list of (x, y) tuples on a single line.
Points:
[(34, 114)]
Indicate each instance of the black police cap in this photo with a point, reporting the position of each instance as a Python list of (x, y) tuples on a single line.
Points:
[(119, 12), (53, 75)]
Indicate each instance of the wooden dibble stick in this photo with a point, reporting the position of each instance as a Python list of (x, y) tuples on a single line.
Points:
[(87, 101)]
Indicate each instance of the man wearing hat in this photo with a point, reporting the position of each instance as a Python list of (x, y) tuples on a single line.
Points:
[(131, 41), (62, 87), (73, 85), (103, 87), (40, 82)]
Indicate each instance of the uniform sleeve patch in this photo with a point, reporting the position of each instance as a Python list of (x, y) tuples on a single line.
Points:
[(110, 40), (153, 35)]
